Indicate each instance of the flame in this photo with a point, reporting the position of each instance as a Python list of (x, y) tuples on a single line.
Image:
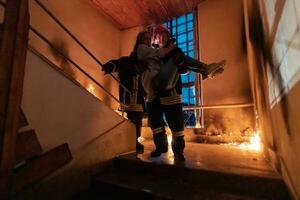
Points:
[(91, 89), (141, 139), (169, 136), (254, 144)]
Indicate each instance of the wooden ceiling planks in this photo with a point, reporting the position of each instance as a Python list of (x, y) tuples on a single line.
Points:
[(191, 4), (154, 12), (175, 7), (131, 13), (104, 9)]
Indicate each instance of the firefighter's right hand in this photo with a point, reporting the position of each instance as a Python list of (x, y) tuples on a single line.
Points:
[(108, 67)]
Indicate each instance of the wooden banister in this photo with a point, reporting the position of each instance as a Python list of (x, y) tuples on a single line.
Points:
[(12, 64)]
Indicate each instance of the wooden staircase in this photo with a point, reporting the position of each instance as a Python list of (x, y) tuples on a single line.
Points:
[(31, 163)]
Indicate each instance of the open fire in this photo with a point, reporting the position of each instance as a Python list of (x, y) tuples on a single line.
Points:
[(253, 144)]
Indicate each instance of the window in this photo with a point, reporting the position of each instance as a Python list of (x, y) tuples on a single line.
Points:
[(182, 29)]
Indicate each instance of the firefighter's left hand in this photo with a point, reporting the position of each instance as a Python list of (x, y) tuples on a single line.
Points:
[(108, 68)]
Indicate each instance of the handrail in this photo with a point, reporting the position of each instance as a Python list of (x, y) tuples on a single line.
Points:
[(74, 63), (221, 106), (77, 41)]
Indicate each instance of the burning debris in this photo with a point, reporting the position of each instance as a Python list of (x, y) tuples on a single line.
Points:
[(230, 128), (246, 138)]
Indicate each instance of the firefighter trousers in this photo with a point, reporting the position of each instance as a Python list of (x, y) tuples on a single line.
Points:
[(170, 108)]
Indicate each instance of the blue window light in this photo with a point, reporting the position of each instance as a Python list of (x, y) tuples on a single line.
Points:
[(182, 28)]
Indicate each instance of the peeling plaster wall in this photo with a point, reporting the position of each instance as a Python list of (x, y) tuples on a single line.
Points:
[(221, 36), (92, 29), (273, 56)]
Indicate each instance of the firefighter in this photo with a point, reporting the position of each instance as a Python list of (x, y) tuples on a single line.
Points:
[(161, 102), (129, 70), (163, 86)]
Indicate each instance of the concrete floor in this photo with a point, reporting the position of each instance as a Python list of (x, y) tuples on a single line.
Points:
[(232, 160), (209, 172)]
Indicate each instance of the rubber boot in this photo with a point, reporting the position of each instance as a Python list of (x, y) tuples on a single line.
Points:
[(178, 145), (161, 144)]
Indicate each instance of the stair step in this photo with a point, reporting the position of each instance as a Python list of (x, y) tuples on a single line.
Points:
[(27, 146), (228, 183), (22, 119), (36, 169), (119, 186), (137, 185)]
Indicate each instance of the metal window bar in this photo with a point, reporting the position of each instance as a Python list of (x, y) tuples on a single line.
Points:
[(173, 25), (221, 106), (189, 114), (198, 77)]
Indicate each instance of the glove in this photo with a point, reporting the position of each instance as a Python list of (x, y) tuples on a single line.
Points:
[(214, 69), (108, 67)]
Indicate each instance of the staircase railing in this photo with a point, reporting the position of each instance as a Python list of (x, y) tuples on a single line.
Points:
[(76, 40), (60, 53)]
